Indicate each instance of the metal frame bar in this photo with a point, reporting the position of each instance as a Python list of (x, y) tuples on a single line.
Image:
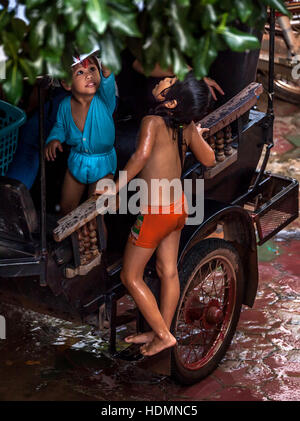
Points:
[(270, 110), (43, 244)]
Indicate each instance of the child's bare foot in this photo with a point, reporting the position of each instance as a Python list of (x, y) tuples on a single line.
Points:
[(140, 338), (157, 345)]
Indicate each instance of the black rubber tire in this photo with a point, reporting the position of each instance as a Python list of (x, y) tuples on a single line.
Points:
[(197, 257)]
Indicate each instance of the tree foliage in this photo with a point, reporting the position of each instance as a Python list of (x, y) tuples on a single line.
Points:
[(171, 32)]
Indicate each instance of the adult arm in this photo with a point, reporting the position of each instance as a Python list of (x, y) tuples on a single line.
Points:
[(157, 71)]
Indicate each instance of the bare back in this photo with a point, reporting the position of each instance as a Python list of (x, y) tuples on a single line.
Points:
[(164, 163), (156, 159)]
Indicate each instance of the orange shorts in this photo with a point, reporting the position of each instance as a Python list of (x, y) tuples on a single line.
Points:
[(150, 229)]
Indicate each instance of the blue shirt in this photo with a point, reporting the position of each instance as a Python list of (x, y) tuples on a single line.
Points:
[(92, 154)]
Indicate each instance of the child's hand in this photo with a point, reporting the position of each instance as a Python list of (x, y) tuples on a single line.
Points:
[(200, 129), (50, 150), (105, 70)]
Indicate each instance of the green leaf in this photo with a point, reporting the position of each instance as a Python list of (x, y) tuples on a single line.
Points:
[(165, 54), (37, 32), (110, 54), (72, 17), (179, 65), (209, 16), (239, 41), (19, 28), (82, 37), (225, 5), (183, 3), (205, 56), (55, 70), (4, 19), (205, 2), (151, 4), (13, 85), (276, 4), (156, 28), (54, 38), (244, 9), (218, 42), (97, 13), (11, 45), (151, 55), (124, 23), (30, 4), (38, 66), (222, 25), (29, 69), (258, 16), (124, 6), (181, 31), (51, 55), (74, 4)]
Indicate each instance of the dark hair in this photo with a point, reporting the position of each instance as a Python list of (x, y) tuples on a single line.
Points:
[(192, 98)]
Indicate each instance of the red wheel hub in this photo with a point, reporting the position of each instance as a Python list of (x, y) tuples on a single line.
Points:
[(213, 315), (209, 314), (193, 310)]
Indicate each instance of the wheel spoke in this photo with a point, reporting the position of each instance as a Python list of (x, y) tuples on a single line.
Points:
[(200, 327)]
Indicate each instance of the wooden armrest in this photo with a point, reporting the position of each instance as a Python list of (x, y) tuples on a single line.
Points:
[(80, 216), (232, 110)]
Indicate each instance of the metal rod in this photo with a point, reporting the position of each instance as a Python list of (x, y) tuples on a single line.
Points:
[(271, 62), (270, 111), (43, 183), (111, 306)]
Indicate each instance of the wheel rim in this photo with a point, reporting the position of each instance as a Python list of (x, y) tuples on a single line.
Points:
[(288, 85), (205, 312)]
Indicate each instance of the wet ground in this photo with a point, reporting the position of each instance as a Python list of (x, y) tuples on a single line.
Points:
[(49, 359)]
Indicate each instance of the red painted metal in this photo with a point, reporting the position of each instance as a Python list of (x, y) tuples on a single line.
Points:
[(206, 313)]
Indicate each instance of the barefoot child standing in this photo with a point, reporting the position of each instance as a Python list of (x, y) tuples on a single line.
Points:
[(84, 121), (158, 156)]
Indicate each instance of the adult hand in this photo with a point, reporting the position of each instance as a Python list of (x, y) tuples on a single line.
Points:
[(212, 84), (50, 150)]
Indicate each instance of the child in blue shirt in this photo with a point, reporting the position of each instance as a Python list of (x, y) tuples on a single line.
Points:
[(84, 121)]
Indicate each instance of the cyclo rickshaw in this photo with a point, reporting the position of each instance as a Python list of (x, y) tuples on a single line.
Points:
[(65, 268)]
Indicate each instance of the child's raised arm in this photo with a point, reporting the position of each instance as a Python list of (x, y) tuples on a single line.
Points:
[(200, 148), (107, 88)]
